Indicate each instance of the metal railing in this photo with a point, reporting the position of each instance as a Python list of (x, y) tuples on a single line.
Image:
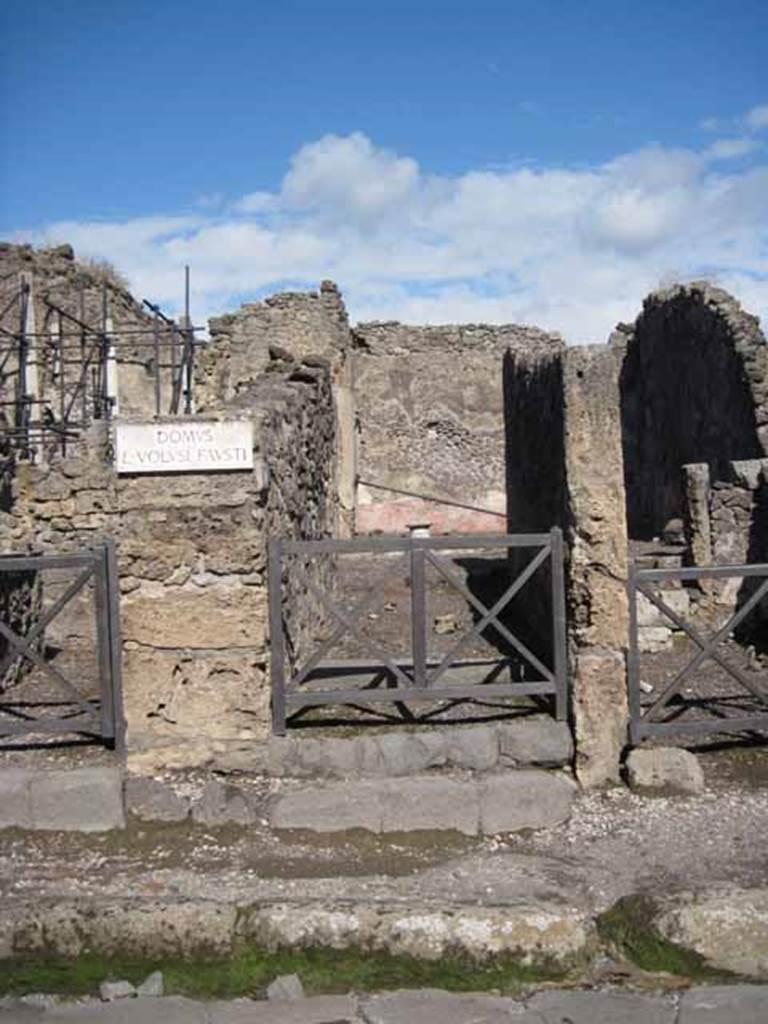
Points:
[(100, 716), (55, 382), (300, 682), (664, 713)]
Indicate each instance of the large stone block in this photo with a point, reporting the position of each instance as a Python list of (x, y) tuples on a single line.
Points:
[(217, 617), (15, 803), (603, 1008), (536, 740), (77, 799), (151, 800), (724, 1004), (529, 799), (141, 929), (665, 770), (430, 803), (600, 715), (329, 809), (727, 926)]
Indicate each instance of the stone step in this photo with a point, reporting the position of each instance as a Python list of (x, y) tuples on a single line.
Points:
[(534, 740), (475, 805), (68, 800)]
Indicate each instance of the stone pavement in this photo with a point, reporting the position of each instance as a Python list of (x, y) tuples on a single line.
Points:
[(733, 1004)]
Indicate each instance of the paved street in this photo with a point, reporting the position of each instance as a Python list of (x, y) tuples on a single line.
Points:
[(735, 1004)]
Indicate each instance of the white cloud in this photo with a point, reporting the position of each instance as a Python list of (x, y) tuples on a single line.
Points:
[(569, 249), (732, 149), (757, 117)]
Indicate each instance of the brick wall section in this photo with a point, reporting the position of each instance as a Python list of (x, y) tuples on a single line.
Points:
[(694, 389), (430, 408), (192, 562)]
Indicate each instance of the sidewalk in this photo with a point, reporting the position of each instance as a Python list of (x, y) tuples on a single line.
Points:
[(737, 1004)]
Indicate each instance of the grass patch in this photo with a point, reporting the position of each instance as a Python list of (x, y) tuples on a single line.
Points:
[(629, 929), (248, 972)]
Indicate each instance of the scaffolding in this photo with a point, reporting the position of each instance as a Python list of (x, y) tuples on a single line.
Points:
[(54, 383)]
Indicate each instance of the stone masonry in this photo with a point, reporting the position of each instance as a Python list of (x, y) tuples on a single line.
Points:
[(192, 551)]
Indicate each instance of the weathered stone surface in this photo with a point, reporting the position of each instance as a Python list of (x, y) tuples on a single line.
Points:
[(172, 1010), (665, 769), (15, 805), (472, 747), (196, 700), (285, 987), (152, 800), (329, 809), (506, 802), (112, 990), (602, 1008), (601, 723), (218, 617), (143, 929), (533, 932), (652, 639), (81, 799), (538, 740), (728, 927), (153, 986), (222, 804), (723, 1004), (524, 799), (430, 1006), (314, 1010), (429, 803)]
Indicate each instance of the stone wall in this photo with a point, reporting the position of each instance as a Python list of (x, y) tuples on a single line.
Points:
[(192, 564), (694, 389), (430, 409), (565, 468), (262, 336), (726, 523)]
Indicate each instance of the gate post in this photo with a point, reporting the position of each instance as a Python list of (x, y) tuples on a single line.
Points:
[(115, 644), (276, 637), (633, 662), (559, 639), (418, 615)]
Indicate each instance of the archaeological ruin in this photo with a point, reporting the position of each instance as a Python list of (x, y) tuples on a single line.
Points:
[(478, 523)]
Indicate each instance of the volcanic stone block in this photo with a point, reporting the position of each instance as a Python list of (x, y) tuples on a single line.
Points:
[(519, 800), (77, 799)]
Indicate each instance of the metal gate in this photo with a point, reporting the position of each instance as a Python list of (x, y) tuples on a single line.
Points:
[(668, 712), (303, 679), (39, 696)]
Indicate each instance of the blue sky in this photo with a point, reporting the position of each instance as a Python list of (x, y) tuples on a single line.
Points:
[(539, 161)]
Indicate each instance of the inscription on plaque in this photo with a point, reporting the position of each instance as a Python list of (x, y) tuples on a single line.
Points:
[(184, 447)]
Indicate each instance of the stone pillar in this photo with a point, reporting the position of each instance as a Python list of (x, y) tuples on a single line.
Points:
[(597, 533), (698, 529)]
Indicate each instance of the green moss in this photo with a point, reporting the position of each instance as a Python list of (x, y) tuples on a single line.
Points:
[(248, 971), (628, 928)]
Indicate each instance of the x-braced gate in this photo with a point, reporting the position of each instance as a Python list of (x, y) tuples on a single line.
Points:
[(665, 713), (72, 702), (308, 679)]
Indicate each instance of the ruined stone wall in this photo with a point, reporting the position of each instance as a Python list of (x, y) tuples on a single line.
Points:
[(192, 564), (726, 523), (694, 389), (77, 287), (263, 336), (430, 409), (565, 469)]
